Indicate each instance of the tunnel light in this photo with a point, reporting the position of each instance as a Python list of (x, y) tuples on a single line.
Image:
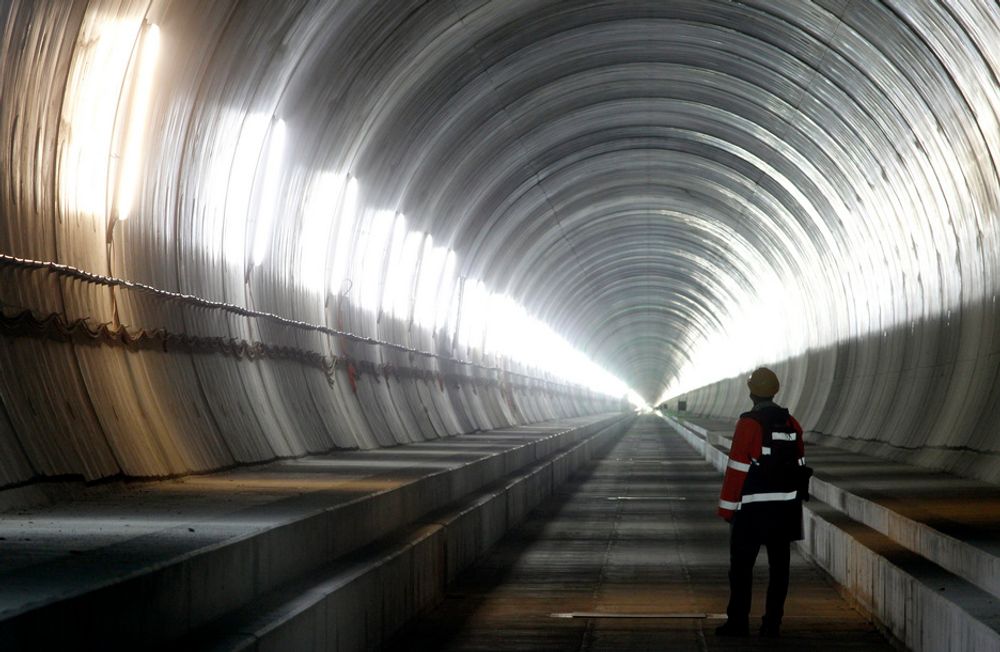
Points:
[(447, 328), (513, 334), (446, 313), (396, 271), (94, 86), (399, 292), (432, 265), (475, 303), (232, 180), (761, 329), (269, 196), (505, 328), (138, 115), (344, 244), (375, 239), (318, 223), (393, 270)]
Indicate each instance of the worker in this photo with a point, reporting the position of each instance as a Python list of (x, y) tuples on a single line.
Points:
[(766, 480)]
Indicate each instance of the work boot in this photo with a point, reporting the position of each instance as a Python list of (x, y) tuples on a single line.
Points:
[(770, 630), (730, 628)]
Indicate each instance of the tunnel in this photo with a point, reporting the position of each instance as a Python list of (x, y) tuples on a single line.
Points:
[(353, 290)]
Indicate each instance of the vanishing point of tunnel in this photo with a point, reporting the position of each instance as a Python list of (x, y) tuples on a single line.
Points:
[(425, 324)]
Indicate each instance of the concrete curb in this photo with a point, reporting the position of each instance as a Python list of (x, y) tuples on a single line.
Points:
[(886, 562), (913, 600), (166, 600)]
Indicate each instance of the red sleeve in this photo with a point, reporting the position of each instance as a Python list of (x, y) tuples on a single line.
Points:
[(746, 446)]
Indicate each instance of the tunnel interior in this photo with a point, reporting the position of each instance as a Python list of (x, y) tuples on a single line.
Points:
[(234, 232)]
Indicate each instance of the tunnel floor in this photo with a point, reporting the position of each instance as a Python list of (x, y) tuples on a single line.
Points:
[(633, 533)]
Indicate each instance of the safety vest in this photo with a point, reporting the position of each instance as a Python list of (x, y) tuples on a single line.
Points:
[(774, 476), (764, 477)]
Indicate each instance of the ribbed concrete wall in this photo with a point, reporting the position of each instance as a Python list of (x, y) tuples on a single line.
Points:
[(927, 395), (681, 190), (909, 368), (77, 401)]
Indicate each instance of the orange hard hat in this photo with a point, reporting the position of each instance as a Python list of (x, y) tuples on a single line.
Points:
[(763, 382)]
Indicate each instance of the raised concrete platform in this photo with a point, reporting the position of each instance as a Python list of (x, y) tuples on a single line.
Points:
[(635, 534), (917, 549), (254, 549)]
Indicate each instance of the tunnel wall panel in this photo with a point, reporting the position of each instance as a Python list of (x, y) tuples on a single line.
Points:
[(879, 396), (672, 186)]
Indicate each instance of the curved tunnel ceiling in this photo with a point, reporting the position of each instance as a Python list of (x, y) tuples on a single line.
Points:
[(680, 189), (639, 174)]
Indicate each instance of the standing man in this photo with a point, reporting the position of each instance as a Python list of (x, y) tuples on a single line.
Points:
[(762, 494)]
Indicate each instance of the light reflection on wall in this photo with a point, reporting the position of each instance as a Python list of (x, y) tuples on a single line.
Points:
[(319, 222), (233, 181), (128, 176), (898, 254), (448, 294), (397, 272), (511, 332), (433, 264), (759, 328), (345, 225), (472, 320), (95, 91), (758, 323), (403, 272), (368, 254), (373, 243), (269, 206)]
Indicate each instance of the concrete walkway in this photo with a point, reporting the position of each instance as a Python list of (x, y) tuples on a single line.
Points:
[(635, 533)]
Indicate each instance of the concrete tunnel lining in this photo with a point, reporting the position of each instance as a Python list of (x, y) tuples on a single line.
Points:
[(682, 190)]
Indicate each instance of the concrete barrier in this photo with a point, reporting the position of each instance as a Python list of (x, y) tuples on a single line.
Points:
[(915, 601), (358, 603), (179, 594)]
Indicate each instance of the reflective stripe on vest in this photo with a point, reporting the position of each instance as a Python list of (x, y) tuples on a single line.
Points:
[(738, 466), (727, 504), (771, 497)]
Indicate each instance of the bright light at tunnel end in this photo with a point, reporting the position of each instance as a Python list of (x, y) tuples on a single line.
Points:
[(398, 271), (506, 329)]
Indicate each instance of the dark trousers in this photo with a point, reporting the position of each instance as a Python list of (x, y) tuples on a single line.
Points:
[(743, 548)]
